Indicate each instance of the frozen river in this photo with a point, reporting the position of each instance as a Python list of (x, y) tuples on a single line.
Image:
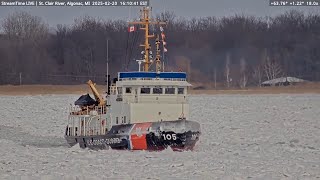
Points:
[(243, 136)]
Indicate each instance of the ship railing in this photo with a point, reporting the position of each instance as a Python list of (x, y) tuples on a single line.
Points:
[(100, 109), (95, 128), (85, 125), (87, 110)]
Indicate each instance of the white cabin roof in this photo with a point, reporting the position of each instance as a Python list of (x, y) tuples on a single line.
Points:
[(152, 82), (152, 79)]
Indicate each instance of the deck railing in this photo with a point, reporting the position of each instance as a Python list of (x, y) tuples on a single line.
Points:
[(87, 110), (85, 126)]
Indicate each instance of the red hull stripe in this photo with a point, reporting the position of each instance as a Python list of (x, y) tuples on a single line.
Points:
[(138, 136)]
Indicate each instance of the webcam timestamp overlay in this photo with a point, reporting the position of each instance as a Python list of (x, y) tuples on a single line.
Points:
[(294, 2), (74, 2)]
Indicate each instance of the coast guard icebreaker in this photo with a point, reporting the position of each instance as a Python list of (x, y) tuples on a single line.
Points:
[(143, 110)]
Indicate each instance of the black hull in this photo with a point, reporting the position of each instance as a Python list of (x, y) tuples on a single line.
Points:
[(157, 136)]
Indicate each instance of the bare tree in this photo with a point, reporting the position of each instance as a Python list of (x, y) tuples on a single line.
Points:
[(243, 68), (80, 48), (272, 69), (23, 26), (227, 69), (258, 74), (215, 78), (167, 16), (28, 39)]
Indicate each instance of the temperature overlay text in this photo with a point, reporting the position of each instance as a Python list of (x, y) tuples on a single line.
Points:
[(74, 3), (294, 2)]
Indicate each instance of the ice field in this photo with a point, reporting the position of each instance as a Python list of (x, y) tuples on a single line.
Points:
[(243, 137)]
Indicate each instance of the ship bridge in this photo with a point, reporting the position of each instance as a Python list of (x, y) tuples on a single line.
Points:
[(156, 95)]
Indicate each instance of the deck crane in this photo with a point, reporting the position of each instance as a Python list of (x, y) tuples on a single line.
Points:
[(97, 96)]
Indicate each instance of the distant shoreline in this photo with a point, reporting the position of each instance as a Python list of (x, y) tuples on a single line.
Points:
[(83, 89)]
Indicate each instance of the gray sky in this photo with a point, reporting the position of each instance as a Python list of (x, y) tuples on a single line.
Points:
[(184, 8)]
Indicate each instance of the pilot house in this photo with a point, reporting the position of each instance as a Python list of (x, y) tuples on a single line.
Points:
[(149, 97)]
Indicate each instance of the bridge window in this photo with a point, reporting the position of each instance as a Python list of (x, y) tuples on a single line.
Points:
[(128, 90), (157, 90), (180, 90), (124, 119), (117, 120), (119, 90), (170, 90), (145, 91)]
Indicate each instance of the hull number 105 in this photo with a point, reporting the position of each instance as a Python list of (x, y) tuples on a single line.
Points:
[(169, 137)]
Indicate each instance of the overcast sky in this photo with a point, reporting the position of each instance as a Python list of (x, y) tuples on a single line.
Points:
[(185, 8)]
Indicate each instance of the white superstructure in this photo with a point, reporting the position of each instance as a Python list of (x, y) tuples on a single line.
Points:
[(148, 97)]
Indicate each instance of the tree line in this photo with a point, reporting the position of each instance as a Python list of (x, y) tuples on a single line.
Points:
[(234, 51)]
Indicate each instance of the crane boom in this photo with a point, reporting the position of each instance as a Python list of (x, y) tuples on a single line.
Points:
[(96, 94)]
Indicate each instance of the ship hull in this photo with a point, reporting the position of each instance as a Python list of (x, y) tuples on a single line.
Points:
[(180, 135)]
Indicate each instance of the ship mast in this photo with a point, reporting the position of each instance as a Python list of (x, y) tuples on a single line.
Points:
[(145, 21), (158, 62)]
